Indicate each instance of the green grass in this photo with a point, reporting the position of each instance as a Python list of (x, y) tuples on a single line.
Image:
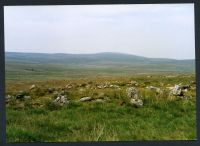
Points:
[(160, 118), (103, 122)]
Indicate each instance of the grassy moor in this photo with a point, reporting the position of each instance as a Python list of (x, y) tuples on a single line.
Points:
[(98, 97)]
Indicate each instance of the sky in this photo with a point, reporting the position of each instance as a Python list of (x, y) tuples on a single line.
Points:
[(149, 30)]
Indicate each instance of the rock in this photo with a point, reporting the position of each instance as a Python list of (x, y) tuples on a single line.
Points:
[(55, 92), (8, 98), (100, 86), (62, 93), (133, 83), (192, 82), (32, 87), (61, 100), (83, 99), (20, 95), (137, 102), (51, 90), (185, 87), (177, 91), (82, 85), (88, 86), (132, 93), (69, 86), (27, 97)]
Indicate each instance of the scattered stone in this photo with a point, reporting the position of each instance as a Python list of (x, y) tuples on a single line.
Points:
[(88, 86), (27, 97), (69, 86), (100, 86), (8, 98), (192, 82), (137, 102), (82, 85), (185, 87), (61, 100), (83, 99), (20, 95), (177, 91), (62, 93), (132, 93), (134, 83), (32, 87), (51, 90), (55, 92)]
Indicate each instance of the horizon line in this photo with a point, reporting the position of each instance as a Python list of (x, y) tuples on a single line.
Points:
[(99, 53)]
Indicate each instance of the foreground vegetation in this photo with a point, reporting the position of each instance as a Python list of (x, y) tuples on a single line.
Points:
[(115, 119)]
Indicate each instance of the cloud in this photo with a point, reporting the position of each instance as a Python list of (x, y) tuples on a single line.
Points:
[(166, 29)]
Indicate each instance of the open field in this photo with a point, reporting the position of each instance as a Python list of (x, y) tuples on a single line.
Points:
[(160, 118), (109, 115)]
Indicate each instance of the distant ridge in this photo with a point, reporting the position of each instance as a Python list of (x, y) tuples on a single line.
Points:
[(102, 60), (87, 54)]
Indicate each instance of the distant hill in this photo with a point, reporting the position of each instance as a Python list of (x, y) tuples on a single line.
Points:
[(105, 63)]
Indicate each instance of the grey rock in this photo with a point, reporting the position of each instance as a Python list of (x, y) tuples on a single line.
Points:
[(137, 102), (61, 100), (132, 93), (21, 94), (134, 83), (83, 99), (51, 90), (69, 86), (32, 87), (8, 97), (177, 91), (185, 87), (27, 97)]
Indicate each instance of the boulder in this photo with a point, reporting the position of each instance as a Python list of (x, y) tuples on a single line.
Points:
[(20, 95), (184, 87), (27, 97), (177, 91), (51, 90), (83, 99), (32, 87), (136, 102), (134, 83), (61, 100), (8, 98), (69, 86), (132, 93)]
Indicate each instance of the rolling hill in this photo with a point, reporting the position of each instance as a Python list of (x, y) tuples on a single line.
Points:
[(108, 63)]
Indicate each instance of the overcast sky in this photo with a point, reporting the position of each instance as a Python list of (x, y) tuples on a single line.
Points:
[(158, 31)]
